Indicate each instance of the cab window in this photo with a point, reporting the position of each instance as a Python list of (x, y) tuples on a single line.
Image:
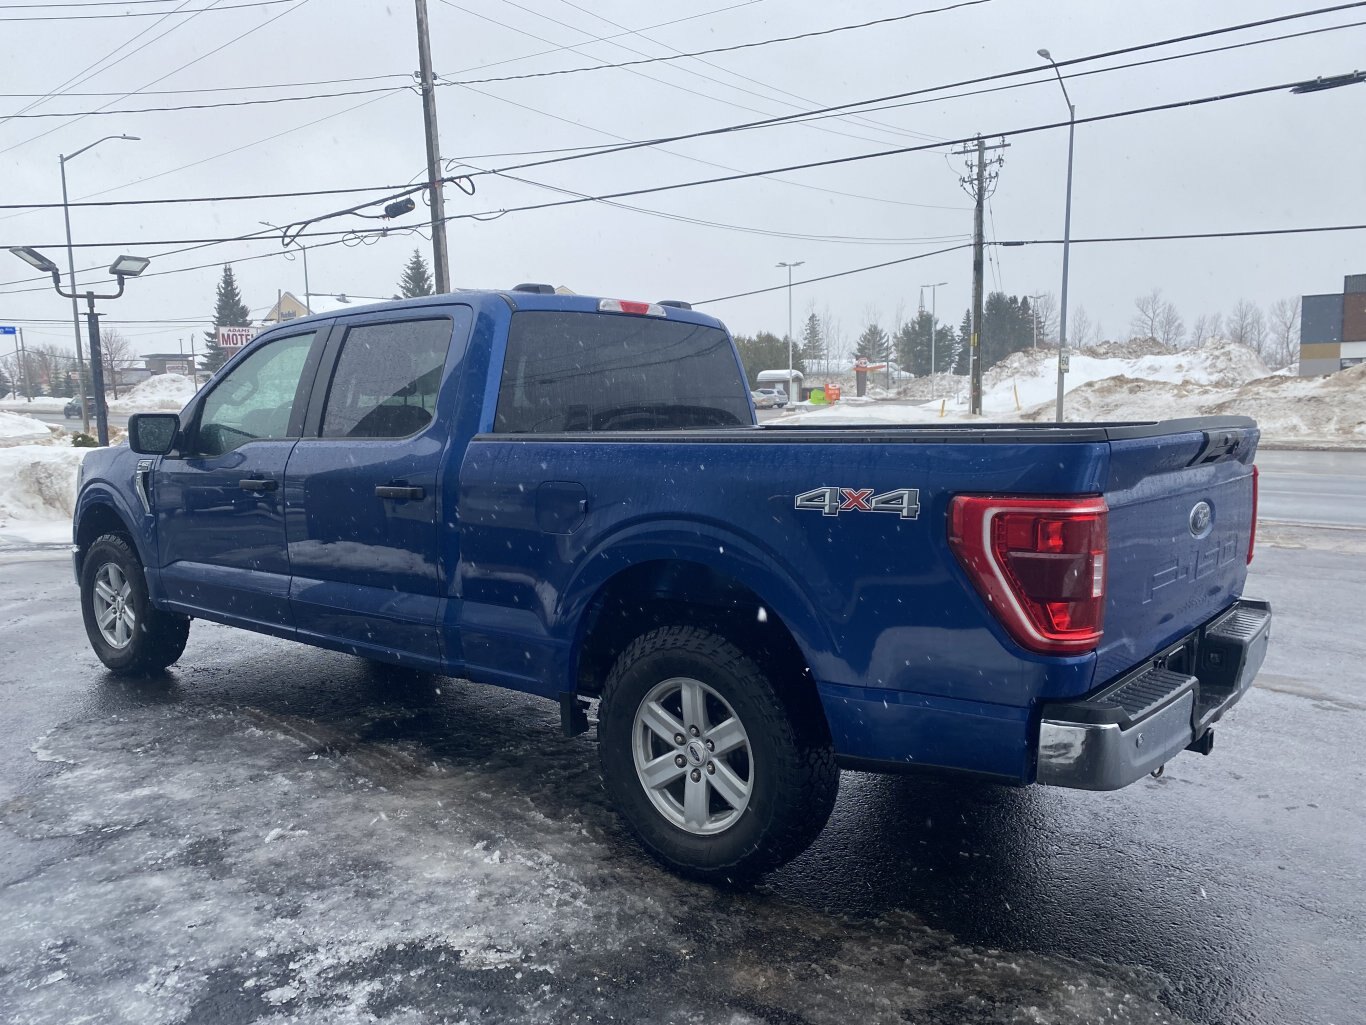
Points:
[(254, 400), (387, 379)]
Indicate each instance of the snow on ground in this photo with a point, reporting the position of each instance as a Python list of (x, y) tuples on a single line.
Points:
[(1120, 383), (16, 403), (16, 429), (38, 492), (162, 392)]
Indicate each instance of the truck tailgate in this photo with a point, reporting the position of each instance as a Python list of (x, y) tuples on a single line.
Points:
[(1181, 515)]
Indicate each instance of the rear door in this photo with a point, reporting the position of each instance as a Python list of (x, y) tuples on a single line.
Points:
[(1181, 508), (362, 490), (219, 501)]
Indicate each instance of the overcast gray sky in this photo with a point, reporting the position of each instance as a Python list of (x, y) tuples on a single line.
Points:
[(1263, 162)]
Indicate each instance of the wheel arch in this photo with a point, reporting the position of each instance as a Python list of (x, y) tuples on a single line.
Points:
[(689, 591), (98, 512)]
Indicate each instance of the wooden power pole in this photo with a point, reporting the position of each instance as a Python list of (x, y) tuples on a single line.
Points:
[(440, 258), (979, 183)]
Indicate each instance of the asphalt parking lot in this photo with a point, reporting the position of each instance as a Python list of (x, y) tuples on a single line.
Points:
[(274, 833)]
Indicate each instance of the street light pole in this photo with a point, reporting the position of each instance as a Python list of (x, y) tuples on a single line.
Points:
[(934, 325), (789, 267), (71, 271), (1066, 232)]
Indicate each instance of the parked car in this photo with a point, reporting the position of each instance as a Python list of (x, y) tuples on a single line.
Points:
[(569, 496), (764, 398), (774, 396), (73, 406)]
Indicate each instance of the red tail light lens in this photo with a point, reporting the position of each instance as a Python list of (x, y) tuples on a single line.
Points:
[(1039, 563), (1252, 535)]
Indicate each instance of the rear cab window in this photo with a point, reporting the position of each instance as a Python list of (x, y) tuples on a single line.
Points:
[(604, 372)]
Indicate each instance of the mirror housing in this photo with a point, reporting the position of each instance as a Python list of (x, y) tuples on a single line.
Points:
[(153, 434)]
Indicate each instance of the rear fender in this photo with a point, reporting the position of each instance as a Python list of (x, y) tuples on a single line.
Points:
[(706, 545)]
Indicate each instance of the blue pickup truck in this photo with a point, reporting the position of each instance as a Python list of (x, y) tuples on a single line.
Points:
[(570, 496)]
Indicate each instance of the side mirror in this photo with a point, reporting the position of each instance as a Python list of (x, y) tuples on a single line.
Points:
[(152, 434)]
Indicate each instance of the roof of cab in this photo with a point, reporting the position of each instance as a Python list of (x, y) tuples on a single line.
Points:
[(516, 300)]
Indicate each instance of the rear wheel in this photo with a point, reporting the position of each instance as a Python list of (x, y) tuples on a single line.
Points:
[(709, 766), (127, 633)]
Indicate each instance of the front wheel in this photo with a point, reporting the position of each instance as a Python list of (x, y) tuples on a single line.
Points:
[(713, 771), (128, 634)]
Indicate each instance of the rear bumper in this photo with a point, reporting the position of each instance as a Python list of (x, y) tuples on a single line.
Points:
[(1136, 724)]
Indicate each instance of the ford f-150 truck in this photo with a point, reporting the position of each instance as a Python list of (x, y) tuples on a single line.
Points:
[(570, 496)]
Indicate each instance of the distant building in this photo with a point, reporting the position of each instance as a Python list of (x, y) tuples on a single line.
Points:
[(167, 363), (1333, 329), (287, 307)]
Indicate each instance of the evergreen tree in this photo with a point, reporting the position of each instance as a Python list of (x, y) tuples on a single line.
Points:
[(813, 349), (913, 345), (229, 311), (6, 386), (1007, 326), (417, 279), (874, 345), (765, 351)]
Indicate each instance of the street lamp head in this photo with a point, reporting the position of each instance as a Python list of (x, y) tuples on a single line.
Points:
[(128, 266), (34, 259), (1044, 54), (131, 138)]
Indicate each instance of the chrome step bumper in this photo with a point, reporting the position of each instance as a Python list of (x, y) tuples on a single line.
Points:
[(1136, 724)]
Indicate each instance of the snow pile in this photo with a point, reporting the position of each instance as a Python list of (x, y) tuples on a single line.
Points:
[(38, 491), (16, 403), (161, 392), (16, 429)]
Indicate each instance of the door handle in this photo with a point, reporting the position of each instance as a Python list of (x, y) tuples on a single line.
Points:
[(256, 484), (398, 491)]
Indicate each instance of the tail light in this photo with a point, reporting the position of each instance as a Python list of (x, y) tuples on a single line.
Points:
[(1039, 563), (1252, 534)]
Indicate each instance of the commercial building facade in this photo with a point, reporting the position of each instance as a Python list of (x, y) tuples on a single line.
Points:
[(1333, 328)]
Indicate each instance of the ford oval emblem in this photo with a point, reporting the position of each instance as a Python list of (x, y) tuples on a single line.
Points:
[(1201, 520)]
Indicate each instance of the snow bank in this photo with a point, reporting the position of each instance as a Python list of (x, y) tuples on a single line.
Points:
[(162, 392), (38, 491), (1133, 382), (16, 429)]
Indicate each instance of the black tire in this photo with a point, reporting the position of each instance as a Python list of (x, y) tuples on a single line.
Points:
[(791, 772), (155, 639)]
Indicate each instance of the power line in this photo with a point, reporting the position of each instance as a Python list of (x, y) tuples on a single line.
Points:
[(139, 14), (836, 161), (270, 100), (206, 199), (842, 107), (721, 49), (221, 88), (174, 71), (1050, 241)]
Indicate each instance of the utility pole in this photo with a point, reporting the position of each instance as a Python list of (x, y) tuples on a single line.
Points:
[(978, 184), (23, 368), (440, 260)]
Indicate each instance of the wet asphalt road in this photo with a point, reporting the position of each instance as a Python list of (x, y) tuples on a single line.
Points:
[(273, 833)]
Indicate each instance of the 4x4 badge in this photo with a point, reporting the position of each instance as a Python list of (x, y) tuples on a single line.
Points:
[(905, 502)]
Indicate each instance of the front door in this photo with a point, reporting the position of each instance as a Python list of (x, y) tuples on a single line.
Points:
[(220, 499), (362, 496)]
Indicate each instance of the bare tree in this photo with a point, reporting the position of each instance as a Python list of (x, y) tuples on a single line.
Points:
[(1171, 329), (1083, 329), (1284, 336), (116, 353), (1149, 312), (1046, 311), (1207, 327), (1246, 326)]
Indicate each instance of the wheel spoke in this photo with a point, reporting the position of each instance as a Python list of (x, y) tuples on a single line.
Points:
[(731, 787), (661, 723), (727, 737), (660, 772), (694, 705), (695, 802), (105, 616), (129, 620), (115, 576), (120, 632), (126, 589), (104, 591)]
